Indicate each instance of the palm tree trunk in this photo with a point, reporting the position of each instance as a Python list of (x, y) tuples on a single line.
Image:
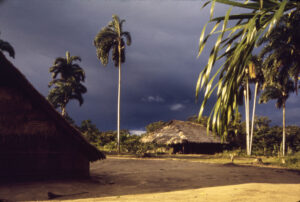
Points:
[(253, 116), (283, 128), (246, 95), (119, 96), (63, 106), (63, 111)]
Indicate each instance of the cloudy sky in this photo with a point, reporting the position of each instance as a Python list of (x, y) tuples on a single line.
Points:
[(161, 69)]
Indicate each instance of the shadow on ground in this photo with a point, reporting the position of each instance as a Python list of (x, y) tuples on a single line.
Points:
[(118, 176)]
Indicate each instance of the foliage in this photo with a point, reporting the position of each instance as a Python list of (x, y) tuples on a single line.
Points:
[(155, 126), (282, 48), (266, 138), (293, 161), (63, 92), (69, 86), (5, 46), (109, 38), (67, 69), (112, 37), (202, 120), (279, 91), (107, 140), (237, 47), (293, 139), (89, 130)]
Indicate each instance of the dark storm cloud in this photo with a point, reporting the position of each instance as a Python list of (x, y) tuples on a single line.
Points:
[(161, 69)]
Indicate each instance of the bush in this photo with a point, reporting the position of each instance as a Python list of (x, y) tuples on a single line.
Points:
[(293, 161)]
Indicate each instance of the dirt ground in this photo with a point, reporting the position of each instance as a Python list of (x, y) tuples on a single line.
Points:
[(127, 179)]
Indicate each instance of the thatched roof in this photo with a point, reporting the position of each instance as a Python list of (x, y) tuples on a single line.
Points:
[(11, 76), (178, 132)]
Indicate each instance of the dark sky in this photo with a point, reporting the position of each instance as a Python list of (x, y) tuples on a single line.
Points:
[(161, 69)]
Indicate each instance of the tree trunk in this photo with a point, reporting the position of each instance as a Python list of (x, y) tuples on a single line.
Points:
[(253, 116), (63, 111), (283, 128), (246, 94), (119, 96), (63, 106)]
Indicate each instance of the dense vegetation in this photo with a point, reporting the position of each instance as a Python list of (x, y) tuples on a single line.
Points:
[(266, 139), (107, 140)]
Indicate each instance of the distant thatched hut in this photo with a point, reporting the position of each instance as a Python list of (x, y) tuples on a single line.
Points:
[(185, 137), (35, 140)]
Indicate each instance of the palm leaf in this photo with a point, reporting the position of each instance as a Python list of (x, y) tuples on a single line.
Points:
[(5, 46)]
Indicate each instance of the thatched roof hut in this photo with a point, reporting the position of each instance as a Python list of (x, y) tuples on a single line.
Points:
[(35, 140), (185, 137)]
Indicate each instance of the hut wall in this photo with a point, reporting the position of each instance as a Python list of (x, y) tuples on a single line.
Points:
[(31, 144), (198, 148)]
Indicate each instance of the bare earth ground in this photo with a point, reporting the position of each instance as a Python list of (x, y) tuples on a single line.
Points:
[(129, 179)]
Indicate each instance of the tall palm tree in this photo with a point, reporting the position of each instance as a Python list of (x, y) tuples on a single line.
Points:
[(112, 37), (256, 76), (63, 92), (279, 90), (256, 22), (69, 85)]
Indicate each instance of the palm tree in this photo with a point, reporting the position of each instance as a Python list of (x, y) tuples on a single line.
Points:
[(256, 76), (283, 44), (66, 68), (63, 92), (237, 47), (109, 38), (280, 91), (68, 86)]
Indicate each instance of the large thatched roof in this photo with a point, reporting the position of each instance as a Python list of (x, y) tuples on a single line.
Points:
[(177, 132), (11, 76)]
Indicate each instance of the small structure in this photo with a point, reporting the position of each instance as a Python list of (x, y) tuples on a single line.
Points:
[(186, 137), (36, 142)]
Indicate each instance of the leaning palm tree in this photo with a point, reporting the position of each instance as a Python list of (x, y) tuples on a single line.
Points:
[(112, 37), (63, 92), (280, 91), (236, 42)]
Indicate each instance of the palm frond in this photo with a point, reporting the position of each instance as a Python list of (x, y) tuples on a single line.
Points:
[(5, 46), (128, 37), (250, 28), (108, 40)]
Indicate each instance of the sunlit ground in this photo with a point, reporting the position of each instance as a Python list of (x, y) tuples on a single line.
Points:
[(243, 192), (168, 178)]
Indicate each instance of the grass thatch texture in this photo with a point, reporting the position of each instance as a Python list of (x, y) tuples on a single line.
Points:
[(179, 132)]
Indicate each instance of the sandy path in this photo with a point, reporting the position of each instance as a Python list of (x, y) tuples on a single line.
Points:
[(166, 180)]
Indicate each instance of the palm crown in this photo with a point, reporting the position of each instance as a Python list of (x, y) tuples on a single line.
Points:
[(67, 69), (109, 38), (60, 95)]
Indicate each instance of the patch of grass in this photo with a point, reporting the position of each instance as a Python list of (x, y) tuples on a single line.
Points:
[(240, 158)]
